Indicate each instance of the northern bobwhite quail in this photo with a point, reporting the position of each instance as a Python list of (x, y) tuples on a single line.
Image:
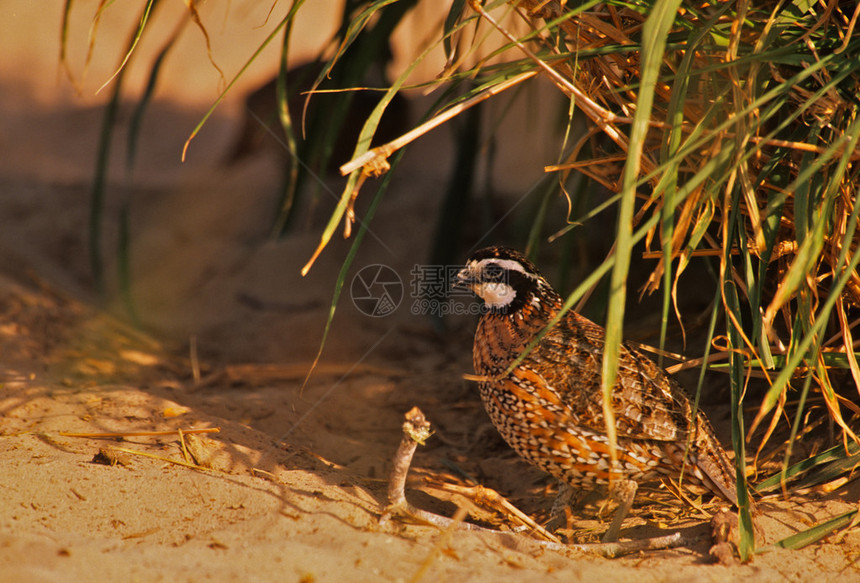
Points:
[(550, 407)]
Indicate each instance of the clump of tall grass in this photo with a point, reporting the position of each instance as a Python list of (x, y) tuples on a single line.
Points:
[(727, 130)]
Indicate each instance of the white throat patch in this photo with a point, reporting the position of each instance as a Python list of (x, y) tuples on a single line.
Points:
[(496, 295)]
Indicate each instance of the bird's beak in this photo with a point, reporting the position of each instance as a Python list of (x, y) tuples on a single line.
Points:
[(465, 279)]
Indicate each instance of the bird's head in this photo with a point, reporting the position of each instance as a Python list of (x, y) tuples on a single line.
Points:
[(504, 279)]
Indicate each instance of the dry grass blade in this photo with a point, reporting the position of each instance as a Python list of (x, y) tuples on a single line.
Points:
[(112, 435), (375, 163), (195, 16), (482, 494), (184, 464), (375, 160)]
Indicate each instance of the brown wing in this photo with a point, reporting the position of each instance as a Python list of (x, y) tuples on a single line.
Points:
[(648, 404)]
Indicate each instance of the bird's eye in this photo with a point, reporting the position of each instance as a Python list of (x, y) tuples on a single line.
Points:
[(493, 272)]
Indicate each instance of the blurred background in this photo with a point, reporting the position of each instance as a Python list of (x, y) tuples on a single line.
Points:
[(204, 253)]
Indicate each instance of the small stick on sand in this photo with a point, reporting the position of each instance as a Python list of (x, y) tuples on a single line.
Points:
[(416, 430)]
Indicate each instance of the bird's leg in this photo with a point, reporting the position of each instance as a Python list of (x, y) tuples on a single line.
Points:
[(623, 492), (557, 516)]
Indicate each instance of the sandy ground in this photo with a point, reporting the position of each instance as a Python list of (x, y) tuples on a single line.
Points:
[(298, 476)]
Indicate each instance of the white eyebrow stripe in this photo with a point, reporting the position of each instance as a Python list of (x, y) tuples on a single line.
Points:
[(509, 264)]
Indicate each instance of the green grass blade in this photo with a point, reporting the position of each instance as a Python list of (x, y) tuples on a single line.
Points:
[(732, 230), (99, 187), (667, 185), (124, 262), (796, 425), (454, 15), (64, 42), (124, 242), (814, 534), (98, 191), (145, 99), (288, 18), (361, 147), (833, 470), (347, 263), (291, 180), (835, 454), (147, 11), (746, 546), (548, 189), (655, 30)]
